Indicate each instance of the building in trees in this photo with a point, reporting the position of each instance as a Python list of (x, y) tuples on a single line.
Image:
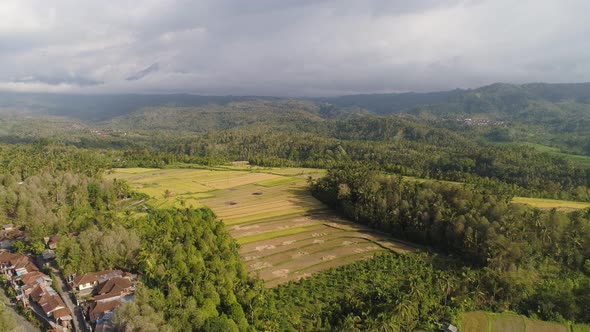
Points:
[(102, 293), (33, 288)]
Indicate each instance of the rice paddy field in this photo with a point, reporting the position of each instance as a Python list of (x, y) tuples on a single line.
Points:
[(480, 321), (543, 203), (284, 233)]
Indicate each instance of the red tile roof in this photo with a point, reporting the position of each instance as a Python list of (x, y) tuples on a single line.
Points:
[(114, 285), (7, 258), (63, 314), (12, 235), (107, 297), (37, 293), (21, 262), (17, 261), (32, 278), (101, 308), (50, 303), (90, 278)]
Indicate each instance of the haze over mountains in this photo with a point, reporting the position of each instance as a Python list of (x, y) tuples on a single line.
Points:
[(499, 97), (556, 115)]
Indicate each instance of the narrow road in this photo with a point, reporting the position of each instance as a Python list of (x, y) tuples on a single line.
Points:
[(66, 295)]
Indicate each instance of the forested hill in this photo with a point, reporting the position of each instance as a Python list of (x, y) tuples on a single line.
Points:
[(300, 115), (554, 115), (498, 97), (104, 107)]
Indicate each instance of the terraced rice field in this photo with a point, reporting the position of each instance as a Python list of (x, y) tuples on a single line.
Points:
[(284, 233), (480, 321)]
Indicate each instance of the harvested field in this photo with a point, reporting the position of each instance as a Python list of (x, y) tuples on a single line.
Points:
[(321, 250), (543, 203), (280, 182), (284, 243), (540, 326), (310, 259), (508, 323), (480, 321), (475, 321), (243, 230), (263, 236), (285, 233)]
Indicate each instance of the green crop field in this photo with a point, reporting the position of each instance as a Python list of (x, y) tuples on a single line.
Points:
[(272, 234), (285, 233), (279, 182), (480, 321)]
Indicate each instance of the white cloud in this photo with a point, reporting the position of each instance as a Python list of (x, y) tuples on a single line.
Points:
[(290, 47), (18, 16)]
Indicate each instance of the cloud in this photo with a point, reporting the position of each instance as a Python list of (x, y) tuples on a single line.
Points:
[(143, 73), (56, 80), (290, 47)]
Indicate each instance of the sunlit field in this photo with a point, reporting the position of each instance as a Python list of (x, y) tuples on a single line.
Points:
[(285, 233)]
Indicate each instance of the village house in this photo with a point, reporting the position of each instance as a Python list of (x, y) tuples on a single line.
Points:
[(102, 293), (117, 284), (8, 235), (85, 283), (16, 265), (29, 281), (52, 242), (23, 266), (102, 311), (33, 288), (51, 304), (113, 289)]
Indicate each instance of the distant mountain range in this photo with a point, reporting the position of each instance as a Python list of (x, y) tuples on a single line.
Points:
[(499, 97)]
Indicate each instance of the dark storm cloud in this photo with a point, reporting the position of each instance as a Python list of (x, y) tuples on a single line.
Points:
[(289, 47)]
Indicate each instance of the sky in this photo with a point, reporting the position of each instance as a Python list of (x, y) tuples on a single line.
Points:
[(289, 47)]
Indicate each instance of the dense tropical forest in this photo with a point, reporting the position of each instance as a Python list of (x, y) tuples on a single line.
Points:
[(439, 170), (528, 251)]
